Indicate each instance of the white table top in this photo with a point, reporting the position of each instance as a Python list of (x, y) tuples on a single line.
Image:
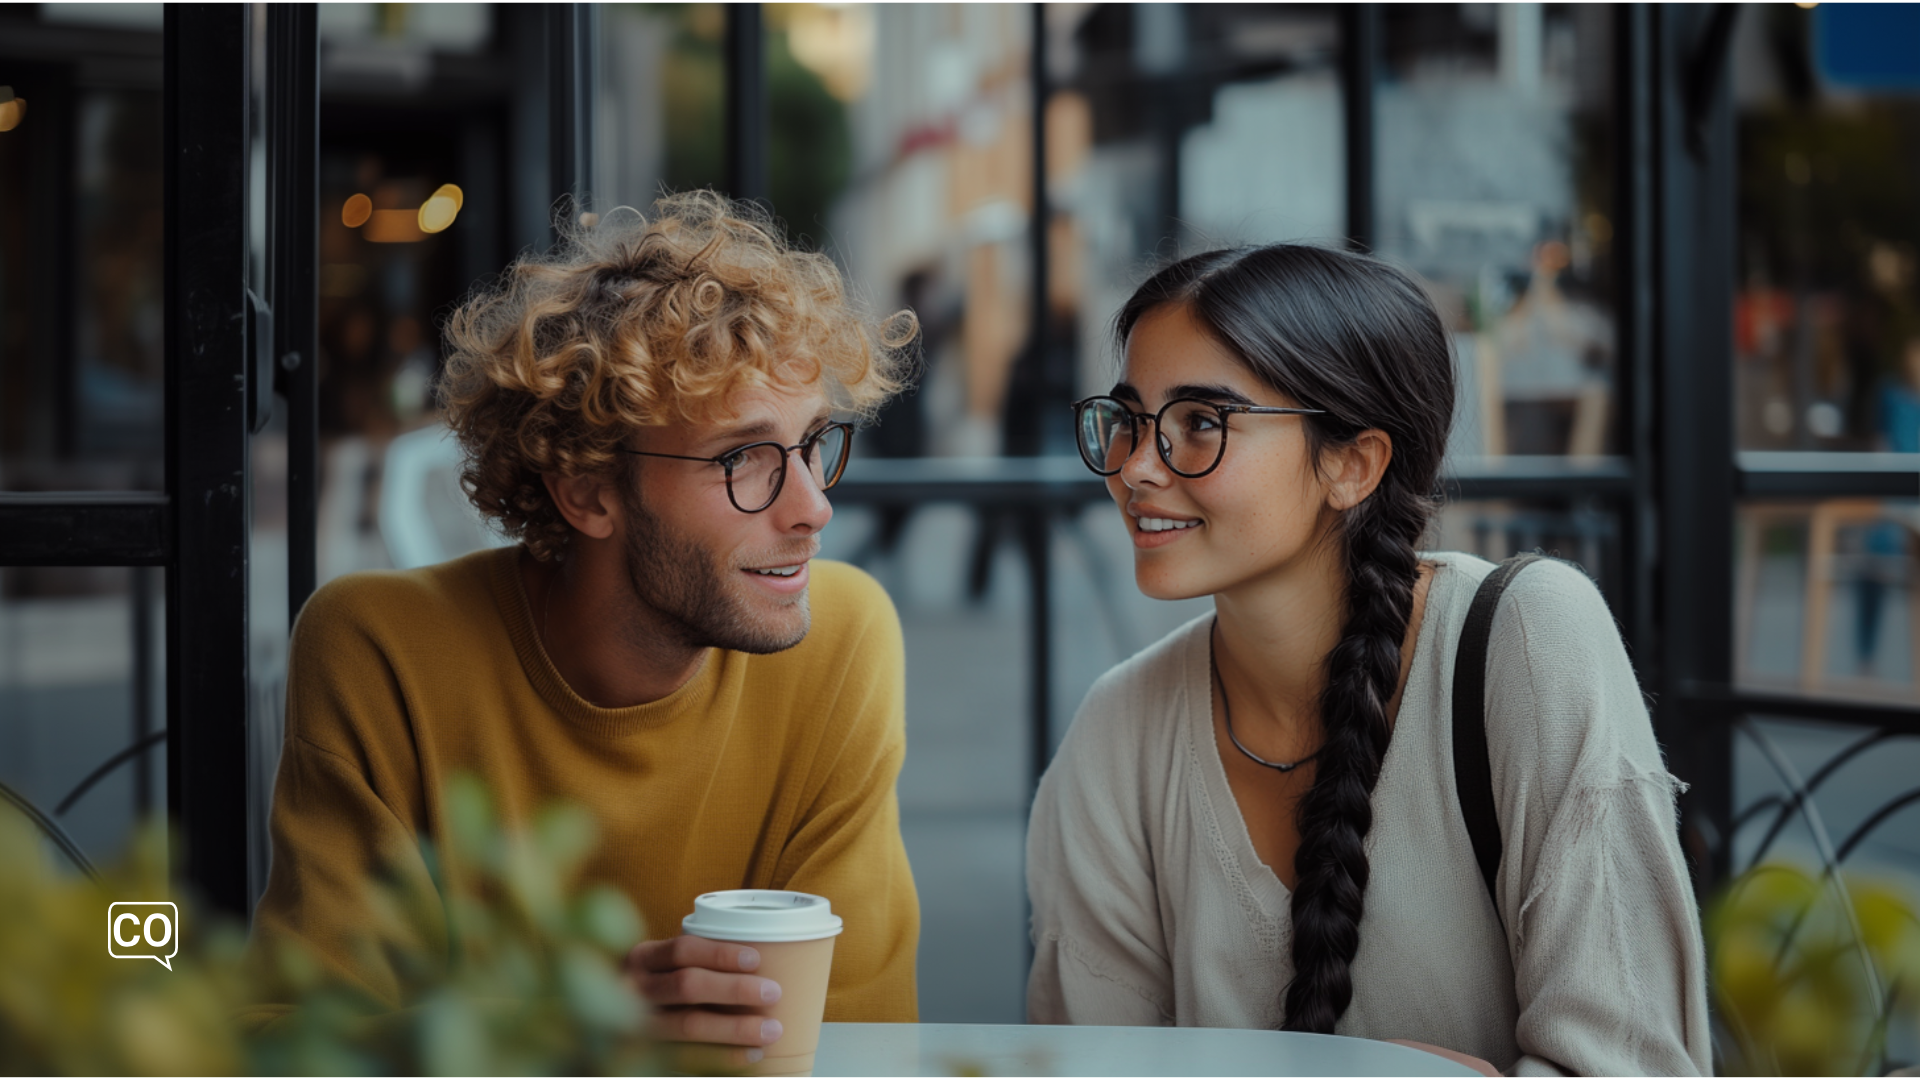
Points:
[(1017, 1050)]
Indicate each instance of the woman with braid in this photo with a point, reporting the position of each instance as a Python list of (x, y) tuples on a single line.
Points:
[(1254, 823)]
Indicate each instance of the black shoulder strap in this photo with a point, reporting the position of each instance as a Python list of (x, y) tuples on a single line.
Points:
[(1472, 772)]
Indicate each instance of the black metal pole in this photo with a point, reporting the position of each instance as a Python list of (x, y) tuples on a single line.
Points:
[(50, 167), (1037, 539), (1633, 264), (1694, 268), (586, 83), (561, 174), (142, 586), (746, 131), (1176, 100), (1036, 391), (293, 162), (1359, 73), (570, 90), (1053, 389), (208, 417), (1038, 238)]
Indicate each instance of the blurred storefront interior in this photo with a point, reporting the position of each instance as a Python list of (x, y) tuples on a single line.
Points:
[(1678, 250)]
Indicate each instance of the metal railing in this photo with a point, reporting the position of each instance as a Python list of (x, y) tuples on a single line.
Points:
[(1041, 492)]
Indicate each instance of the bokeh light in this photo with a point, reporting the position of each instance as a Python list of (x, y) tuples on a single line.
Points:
[(439, 211), (12, 109), (356, 211)]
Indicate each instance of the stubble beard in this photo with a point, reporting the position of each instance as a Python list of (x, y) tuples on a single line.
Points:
[(694, 599)]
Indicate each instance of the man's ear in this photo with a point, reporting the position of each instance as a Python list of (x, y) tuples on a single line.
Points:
[(1354, 470), (589, 503)]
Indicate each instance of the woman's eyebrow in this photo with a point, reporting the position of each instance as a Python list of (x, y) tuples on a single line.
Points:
[(1126, 391), (1209, 392)]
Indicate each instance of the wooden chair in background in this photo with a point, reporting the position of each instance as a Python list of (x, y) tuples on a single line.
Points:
[(1824, 521)]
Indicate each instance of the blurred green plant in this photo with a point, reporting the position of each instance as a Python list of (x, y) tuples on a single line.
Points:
[(68, 1008), (1790, 955), (533, 986)]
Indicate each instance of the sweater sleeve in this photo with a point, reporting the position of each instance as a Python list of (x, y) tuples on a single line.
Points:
[(1609, 966), (342, 802), (846, 844), (1099, 952)]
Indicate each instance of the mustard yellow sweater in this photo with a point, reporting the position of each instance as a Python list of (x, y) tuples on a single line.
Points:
[(766, 772)]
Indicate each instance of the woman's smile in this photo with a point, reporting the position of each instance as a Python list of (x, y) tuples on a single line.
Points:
[(1154, 528)]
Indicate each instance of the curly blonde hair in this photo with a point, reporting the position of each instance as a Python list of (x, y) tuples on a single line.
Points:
[(635, 320)]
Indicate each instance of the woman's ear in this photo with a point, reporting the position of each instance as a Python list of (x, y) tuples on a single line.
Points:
[(587, 502), (1354, 470)]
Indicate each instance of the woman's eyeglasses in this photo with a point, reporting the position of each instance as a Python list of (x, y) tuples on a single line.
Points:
[(757, 472), (1191, 434)]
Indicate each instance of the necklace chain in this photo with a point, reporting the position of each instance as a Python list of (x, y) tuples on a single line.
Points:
[(1226, 712)]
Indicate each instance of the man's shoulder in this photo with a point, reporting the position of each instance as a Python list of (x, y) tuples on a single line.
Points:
[(430, 601)]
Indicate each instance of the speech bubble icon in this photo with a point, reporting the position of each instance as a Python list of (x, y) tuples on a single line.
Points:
[(144, 930)]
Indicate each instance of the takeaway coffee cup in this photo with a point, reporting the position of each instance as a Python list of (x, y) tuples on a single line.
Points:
[(793, 932)]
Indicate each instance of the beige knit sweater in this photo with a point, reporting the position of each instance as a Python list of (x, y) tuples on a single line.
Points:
[(1151, 907)]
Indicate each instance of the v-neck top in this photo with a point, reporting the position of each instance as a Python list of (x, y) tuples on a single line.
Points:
[(1150, 905)]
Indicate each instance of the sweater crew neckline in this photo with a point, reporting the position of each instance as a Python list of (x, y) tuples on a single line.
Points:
[(516, 612)]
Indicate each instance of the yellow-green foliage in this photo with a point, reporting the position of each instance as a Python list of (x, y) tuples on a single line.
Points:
[(66, 1007), (1788, 974), (534, 986)]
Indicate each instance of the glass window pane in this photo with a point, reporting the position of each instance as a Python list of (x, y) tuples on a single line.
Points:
[(1825, 598), (1827, 312), (1494, 151), (431, 177), (1176, 128), (80, 251), (82, 677), (660, 117), (902, 146), (1584, 533)]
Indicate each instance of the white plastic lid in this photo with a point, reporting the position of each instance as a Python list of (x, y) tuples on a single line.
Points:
[(761, 915)]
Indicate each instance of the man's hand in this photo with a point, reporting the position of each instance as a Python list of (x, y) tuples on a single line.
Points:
[(703, 992)]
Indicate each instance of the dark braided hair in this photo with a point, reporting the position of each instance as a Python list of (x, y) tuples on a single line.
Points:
[(1358, 338)]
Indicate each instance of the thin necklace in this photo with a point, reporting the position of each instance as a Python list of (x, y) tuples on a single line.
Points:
[(1226, 712)]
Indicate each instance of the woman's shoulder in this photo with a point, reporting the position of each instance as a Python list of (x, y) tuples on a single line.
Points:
[(1109, 783), (1551, 591), (1561, 689), (1153, 677), (1136, 703)]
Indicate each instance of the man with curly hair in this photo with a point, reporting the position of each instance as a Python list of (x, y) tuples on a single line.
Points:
[(650, 411)]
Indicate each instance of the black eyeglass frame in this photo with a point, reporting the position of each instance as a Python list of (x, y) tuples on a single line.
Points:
[(806, 447), (1160, 444)]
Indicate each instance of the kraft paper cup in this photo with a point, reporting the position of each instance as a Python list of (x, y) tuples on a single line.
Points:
[(793, 932)]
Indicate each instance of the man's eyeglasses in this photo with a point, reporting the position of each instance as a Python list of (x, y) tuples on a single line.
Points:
[(1190, 434), (756, 472)]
